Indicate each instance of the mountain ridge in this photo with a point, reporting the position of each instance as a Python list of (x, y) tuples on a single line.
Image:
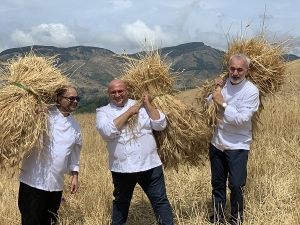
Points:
[(92, 68)]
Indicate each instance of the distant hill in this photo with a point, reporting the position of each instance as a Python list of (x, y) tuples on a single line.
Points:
[(92, 68)]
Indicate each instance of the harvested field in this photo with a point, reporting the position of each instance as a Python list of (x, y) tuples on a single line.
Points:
[(272, 190)]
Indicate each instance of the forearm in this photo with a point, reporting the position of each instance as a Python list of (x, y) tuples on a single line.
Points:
[(237, 118), (152, 111), (122, 119)]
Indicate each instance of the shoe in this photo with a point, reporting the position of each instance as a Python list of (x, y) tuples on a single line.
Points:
[(217, 219)]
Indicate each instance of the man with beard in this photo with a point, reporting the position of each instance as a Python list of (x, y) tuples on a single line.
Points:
[(237, 101)]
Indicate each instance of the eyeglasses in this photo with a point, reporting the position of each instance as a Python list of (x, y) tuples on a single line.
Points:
[(72, 99), (120, 92)]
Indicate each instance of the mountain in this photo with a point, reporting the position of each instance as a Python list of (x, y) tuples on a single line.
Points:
[(92, 68), (86, 66)]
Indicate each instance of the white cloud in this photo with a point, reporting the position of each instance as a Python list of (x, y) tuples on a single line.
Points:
[(21, 38), (138, 31), (123, 24), (45, 34)]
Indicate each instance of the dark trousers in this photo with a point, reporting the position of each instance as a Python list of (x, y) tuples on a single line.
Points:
[(38, 207), (231, 164), (153, 183)]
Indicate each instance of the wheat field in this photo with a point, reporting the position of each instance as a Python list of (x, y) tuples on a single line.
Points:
[(272, 192)]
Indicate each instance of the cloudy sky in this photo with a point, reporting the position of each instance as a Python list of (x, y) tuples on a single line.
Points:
[(120, 25)]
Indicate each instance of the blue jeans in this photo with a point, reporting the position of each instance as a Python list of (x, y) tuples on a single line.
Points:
[(231, 164), (153, 183)]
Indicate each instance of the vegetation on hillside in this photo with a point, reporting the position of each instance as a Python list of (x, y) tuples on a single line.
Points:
[(91, 105), (92, 67)]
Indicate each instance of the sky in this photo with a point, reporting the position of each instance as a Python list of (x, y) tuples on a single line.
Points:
[(130, 25)]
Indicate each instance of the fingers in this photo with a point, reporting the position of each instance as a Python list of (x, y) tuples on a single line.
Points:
[(146, 96), (74, 189), (220, 81)]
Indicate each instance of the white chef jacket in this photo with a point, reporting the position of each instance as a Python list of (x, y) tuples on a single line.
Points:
[(45, 169), (234, 126), (126, 153)]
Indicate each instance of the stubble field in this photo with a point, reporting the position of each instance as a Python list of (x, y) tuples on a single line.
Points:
[(272, 193)]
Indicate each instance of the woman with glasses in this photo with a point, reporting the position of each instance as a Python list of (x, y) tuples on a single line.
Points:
[(42, 172)]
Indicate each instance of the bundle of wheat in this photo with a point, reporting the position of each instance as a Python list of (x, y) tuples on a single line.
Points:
[(148, 73), (179, 142), (267, 69), (185, 137), (26, 82)]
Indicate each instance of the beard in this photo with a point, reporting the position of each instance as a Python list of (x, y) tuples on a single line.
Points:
[(236, 80)]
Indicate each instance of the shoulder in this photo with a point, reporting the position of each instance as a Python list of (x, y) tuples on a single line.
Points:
[(103, 108), (251, 87), (131, 102)]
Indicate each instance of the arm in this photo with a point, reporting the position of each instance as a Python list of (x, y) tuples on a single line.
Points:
[(122, 119), (157, 118), (109, 127), (152, 112), (105, 125), (239, 115), (74, 163)]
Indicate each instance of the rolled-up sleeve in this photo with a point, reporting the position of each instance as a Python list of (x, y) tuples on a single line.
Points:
[(105, 126), (159, 124), (74, 159)]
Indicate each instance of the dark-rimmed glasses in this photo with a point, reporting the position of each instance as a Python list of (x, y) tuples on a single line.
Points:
[(72, 98)]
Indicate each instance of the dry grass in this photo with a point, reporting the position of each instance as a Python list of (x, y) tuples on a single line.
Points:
[(26, 81), (272, 190)]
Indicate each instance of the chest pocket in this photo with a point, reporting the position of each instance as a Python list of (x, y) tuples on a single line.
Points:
[(238, 104)]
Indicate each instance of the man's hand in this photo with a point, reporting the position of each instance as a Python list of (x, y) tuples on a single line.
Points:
[(217, 96), (220, 82), (146, 97), (133, 110), (123, 118), (152, 112)]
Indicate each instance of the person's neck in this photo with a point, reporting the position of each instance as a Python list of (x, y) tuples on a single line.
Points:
[(120, 105), (63, 111)]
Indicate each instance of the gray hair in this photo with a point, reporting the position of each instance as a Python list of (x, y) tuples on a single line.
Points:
[(240, 56)]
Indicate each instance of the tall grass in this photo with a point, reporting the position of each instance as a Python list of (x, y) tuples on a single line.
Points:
[(272, 192)]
